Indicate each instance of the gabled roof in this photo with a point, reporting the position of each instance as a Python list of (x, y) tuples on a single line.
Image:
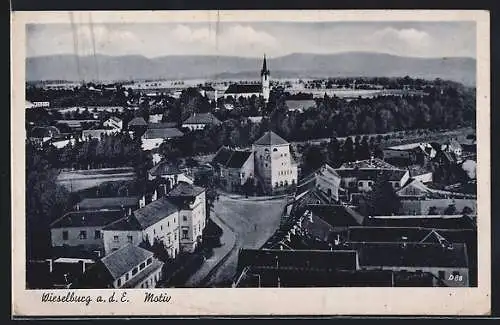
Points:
[(231, 158), (164, 168), (154, 212), (244, 89), (222, 156), (125, 259), (372, 174), (108, 202), (128, 223), (88, 218), (413, 255), (163, 133), (238, 159), (162, 125), (183, 189), (337, 215), (138, 121), (114, 118), (202, 118), (270, 138), (368, 164)]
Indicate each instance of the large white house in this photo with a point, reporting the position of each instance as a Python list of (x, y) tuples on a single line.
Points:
[(274, 164)]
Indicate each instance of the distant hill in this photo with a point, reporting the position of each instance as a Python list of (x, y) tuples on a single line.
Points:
[(298, 65)]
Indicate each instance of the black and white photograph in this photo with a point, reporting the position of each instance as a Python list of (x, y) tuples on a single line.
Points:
[(267, 154)]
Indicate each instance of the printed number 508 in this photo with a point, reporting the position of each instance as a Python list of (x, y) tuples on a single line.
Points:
[(455, 278)]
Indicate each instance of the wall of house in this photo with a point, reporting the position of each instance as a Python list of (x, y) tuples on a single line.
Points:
[(151, 279), (192, 222), (167, 231), (329, 186), (193, 127), (150, 144), (90, 242), (111, 243), (422, 207), (277, 170), (424, 178), (244, 95)]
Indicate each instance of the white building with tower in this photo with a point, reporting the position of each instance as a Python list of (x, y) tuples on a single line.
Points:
[(255, 89), (274, 164)]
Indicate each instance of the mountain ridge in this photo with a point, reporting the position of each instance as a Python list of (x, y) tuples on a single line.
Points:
[(345, 64)]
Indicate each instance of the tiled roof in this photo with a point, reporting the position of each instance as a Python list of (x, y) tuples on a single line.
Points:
[(413, 255), (244, 89), (129, 223), (337, 215), (231, 158), (125, 259), (183, 189), (164, 168), (162, 125), (163, 133), (238, 158), (368, 163), (44, 131), (222, 156), (372, 174), (300, 104), (108, 202), (202, 118), (154, 212), (270, 138), (87, 218), (138, 121)]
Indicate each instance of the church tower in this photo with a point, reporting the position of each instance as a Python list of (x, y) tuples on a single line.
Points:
[(265, 76)]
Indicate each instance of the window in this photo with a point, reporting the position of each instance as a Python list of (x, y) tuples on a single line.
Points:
[(83, 234), (265, 164), (184, 234), (370, 183), (184, 218), (360, 184), (116, 239), (168, 239), (119, 282), (276, 185), (150, 260), (275, 149), (97, 234), (142, 266), (130, 239), (168, 223), (175, 236), (154, 231), (126, 277), (65, 235), (161, 227)]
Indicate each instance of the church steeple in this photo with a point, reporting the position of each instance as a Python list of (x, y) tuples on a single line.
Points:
[(264, 70), (265, 76)]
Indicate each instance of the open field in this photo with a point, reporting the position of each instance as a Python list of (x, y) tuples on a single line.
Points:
[(78, 180)]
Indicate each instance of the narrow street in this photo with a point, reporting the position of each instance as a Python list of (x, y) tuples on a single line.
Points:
[(253, 221)]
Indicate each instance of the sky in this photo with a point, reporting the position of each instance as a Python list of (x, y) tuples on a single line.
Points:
[(252, 39)]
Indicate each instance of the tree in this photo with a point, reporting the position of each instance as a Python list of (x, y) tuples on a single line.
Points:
[(450, 210), (383, 200), (348, 150)]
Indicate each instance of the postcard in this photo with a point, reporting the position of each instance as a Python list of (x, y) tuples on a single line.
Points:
[(195, 163)]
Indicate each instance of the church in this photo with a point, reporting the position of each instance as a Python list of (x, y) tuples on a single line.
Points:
[(249, 90), (268, 164)]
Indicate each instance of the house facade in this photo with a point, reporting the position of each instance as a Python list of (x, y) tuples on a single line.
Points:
[(191, 202), (157, 221), (131, 267), (274, 165), (234, 168), (114, 123), (83, 229), (198, 121), (248, 90)]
